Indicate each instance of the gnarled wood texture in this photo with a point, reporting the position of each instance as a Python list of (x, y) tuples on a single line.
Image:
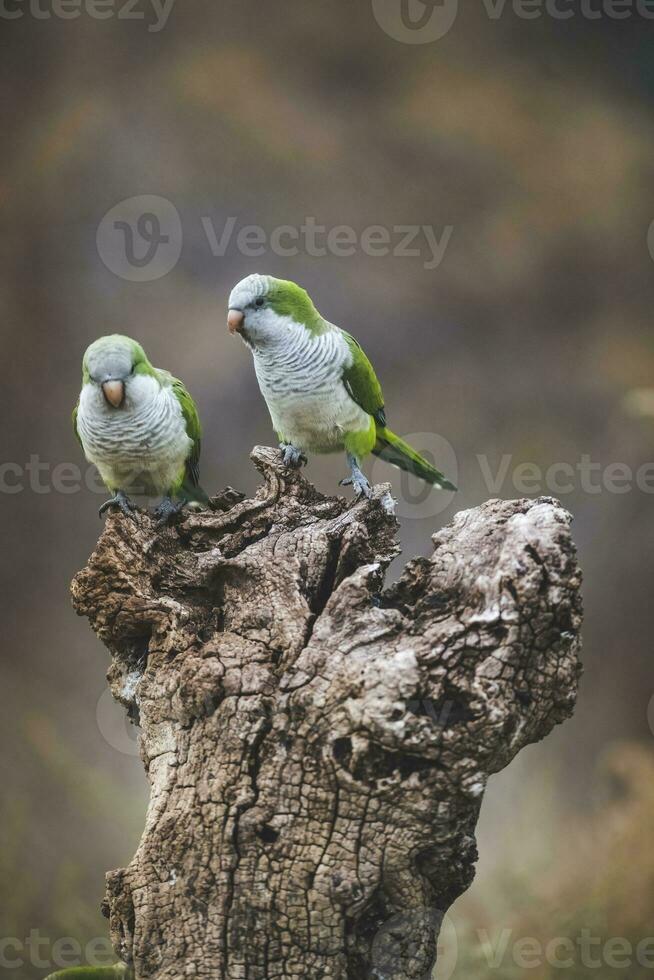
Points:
[(317, 747)]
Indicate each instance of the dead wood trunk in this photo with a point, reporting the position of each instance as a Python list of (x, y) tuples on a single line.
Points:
[(317, 747)]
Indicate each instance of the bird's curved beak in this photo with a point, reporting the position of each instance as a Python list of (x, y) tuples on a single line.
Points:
[(114, 392), (235, 320)]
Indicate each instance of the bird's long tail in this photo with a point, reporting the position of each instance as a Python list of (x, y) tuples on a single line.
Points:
[(398, 452)]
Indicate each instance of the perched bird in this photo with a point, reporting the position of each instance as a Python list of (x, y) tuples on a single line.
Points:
[(321, 390), (139, 426)]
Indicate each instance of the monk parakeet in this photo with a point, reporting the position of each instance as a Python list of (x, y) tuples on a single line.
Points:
[(139, 426), (321, 390)]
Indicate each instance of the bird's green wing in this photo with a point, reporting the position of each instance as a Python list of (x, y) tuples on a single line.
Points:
[(74, 421), (361, 382), (193, 428)]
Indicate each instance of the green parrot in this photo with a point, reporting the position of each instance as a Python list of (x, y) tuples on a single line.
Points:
[(321, 390), (139, 426)]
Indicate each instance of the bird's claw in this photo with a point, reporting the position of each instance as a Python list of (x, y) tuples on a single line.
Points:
[(362, 488), (360, 485), (293, 458), (166, 510), (357, 478), (122, 502)]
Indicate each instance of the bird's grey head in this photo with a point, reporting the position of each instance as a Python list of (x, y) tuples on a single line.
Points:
[(262, 308), (109, 363)]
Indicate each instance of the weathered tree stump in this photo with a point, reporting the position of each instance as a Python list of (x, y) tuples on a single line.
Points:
[(318, 747)]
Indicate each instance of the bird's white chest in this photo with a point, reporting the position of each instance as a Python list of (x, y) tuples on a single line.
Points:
[(145, 441), (303, 388)]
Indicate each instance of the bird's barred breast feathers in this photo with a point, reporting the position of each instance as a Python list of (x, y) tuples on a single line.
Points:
[(301, 380), (309, 371), (149, 428), (301, 363)]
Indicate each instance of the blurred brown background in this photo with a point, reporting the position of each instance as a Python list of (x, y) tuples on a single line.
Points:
[(532, 338)]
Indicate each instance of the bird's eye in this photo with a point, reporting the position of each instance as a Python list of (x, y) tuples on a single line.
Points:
[(259, 302)]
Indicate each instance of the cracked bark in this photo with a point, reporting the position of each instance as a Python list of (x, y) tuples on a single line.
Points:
[(317, 746)]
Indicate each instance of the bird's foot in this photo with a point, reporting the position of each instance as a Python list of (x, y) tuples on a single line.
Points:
[(166, 510), (122, 502), (293, 458), (358, 481)]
